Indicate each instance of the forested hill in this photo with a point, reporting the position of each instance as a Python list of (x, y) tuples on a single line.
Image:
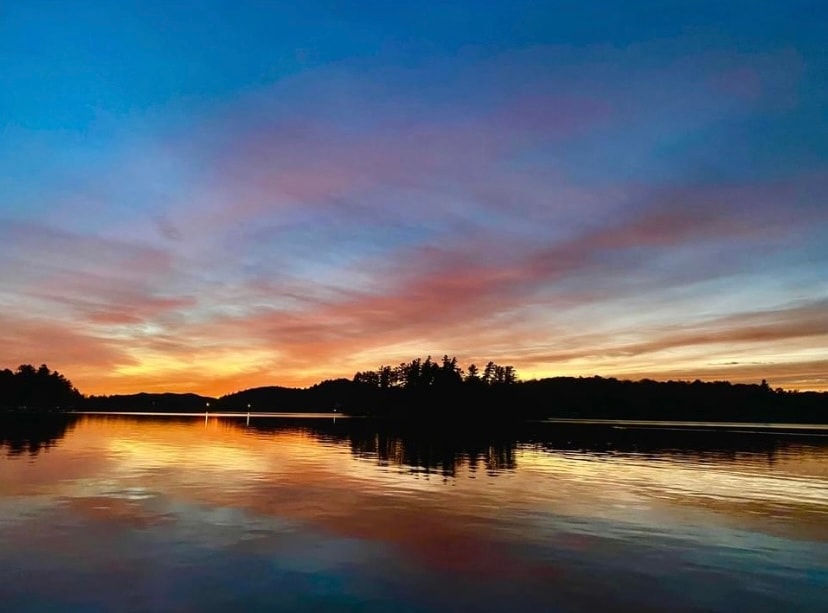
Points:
[(329, 395), (163, 402)]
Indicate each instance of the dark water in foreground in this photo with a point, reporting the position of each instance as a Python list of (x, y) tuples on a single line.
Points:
[(113, 513)]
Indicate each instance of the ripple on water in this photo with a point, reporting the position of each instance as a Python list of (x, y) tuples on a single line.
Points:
[(364, 514)]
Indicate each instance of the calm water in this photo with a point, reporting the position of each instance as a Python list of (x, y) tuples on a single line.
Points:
[(180, 514)]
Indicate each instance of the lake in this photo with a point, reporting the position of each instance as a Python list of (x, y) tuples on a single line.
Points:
[(145, 513)]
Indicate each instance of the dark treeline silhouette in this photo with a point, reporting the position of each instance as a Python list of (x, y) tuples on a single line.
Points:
[(421, 387), (424, 387), (427, 388), (334, 394), (609, 398), (30, 388), (167, 402), (441, 389), (446, 374)]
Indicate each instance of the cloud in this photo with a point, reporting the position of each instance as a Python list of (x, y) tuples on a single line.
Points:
[(545, 206), (76, 353), (467, 295), (752, 327), (796, 374), (792, 334), (461, 296), (167, 229), (110, 299)]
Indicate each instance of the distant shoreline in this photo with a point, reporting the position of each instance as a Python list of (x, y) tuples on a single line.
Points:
[(687, 425), (441, 391), (747, 426)]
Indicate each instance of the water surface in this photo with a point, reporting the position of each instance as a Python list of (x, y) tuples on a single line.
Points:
[(190, 514)]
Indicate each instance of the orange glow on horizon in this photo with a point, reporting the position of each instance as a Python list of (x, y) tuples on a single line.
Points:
[(218, 379)]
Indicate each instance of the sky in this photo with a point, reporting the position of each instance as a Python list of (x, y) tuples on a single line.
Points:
[(211, 196)]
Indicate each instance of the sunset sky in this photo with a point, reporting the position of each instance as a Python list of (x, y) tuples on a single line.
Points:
[(210, 196)]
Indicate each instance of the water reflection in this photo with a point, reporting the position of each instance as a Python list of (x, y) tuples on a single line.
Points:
[(443, 448), (22, 433), (426, 447), (178, 514)]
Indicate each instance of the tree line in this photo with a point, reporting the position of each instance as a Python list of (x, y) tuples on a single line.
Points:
[(420, 374), (428, 388), (37, 388), (441, 389)]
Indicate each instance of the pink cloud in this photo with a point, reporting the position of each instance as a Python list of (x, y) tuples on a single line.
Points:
[(256, 163), (431, 292), (109, 299), (58, 344)]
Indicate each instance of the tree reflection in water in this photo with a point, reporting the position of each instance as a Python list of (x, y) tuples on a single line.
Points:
[(32, 433), (442, 448), (427, 447)]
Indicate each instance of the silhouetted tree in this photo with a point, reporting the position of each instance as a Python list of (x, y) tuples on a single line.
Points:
[(387, 377), (449, 374), (31, 388), (368, 377), (488, 373)]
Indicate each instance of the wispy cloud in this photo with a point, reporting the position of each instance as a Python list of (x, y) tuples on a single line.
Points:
[(570, 207)]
